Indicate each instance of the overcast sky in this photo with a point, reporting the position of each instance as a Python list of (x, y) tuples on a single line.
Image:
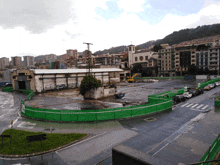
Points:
[(39, 27)]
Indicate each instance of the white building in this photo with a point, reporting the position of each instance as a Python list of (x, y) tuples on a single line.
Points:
[(40, 80)]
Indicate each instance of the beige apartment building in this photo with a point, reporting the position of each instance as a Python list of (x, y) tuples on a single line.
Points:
[(16, 61), (4, 62)]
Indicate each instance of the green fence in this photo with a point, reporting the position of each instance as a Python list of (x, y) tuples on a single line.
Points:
[(157, 105), (217, 101), (203, 84), (212, 151)]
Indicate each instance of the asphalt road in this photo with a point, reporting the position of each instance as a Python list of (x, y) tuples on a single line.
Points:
[(155, 135)]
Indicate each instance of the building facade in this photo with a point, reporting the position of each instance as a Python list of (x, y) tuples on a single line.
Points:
[(28, 61), (16, 61), (40, 80), (4, 62)]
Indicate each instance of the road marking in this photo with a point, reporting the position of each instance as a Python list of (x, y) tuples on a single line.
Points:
[(197, 110), (184, 105), (200, 106), (80, 142), (21, 125), (189, 105), (205, 107), (194, 105)]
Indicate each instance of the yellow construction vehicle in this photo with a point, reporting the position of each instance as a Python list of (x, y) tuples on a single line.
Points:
[(132, 78)]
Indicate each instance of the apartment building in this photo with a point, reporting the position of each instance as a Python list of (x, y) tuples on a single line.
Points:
[(72, 53), (16, 61), (4, 62), (213, 58), (28, 61), (166, 61)]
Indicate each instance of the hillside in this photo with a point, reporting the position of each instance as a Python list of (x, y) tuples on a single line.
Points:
[(175, 38)]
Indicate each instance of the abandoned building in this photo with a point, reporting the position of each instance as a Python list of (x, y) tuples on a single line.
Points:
[(40, 80)]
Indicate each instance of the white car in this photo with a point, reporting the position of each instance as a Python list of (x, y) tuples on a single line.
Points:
[(217, 83), (187, 95), (211, 85)]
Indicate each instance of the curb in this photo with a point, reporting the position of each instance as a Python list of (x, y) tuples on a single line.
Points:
[(44, 152)]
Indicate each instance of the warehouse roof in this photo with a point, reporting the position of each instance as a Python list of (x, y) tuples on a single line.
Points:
[(56, 71)]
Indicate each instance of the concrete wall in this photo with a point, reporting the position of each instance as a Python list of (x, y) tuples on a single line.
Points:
[(73, 82), (124, 155), (214, 76), (100, 93), (28, 77), (201, 77)]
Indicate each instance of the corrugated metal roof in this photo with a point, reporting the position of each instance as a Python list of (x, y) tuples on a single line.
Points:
[(55, 71)]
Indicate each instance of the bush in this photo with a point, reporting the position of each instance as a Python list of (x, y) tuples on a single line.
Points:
[(88, 82)]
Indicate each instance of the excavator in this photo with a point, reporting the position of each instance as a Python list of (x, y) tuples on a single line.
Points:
[(132, 78)]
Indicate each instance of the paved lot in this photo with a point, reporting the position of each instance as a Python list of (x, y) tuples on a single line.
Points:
[(167, 136)]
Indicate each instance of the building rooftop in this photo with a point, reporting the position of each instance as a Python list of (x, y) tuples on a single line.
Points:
[(54, 71)]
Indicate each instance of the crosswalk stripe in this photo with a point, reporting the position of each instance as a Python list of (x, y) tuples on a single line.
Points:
[(205, 107), (194, 105), (184, 105), (200, 106), (189, 105)]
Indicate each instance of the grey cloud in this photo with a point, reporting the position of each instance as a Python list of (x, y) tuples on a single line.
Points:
[(36, 16)]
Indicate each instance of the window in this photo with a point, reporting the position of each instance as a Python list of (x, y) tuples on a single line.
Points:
[(146, 57), (136, 58), (141, 58)]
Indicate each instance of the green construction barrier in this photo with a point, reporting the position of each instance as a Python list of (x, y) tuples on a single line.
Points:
[(96, 115), (212, 152), (203, 84), (217, 101)]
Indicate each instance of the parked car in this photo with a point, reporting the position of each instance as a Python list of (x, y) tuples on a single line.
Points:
[(187, 95), (212, 85), (8, 85), (217, 83), (178, 98), (195, 93), (207, 87), (200, 90)]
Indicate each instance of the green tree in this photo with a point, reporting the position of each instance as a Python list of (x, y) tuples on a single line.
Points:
[(137, 68), (137, 48), (88, 82), (156, 48)]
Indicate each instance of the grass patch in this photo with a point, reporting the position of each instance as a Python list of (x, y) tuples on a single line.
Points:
[(19, 144)]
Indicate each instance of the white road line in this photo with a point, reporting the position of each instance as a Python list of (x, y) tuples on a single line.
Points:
[(197, 110), (205, 107), (184, 105), (189, 105), (200, 106), (80, 142), (194, 105)]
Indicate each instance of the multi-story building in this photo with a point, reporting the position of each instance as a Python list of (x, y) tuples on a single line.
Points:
[(166, 61), (4, 62), (72, 53), (51, 57), (28, 61), (16, 61), (184, 57), (202, 57), (213, 59)]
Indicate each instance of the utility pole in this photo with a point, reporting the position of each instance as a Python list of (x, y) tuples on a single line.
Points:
[(89, 57)]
